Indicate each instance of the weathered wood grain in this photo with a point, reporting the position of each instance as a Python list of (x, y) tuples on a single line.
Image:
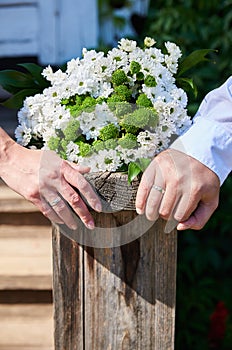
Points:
[(68, 294), (115, 191), (26, 327), (25, 257), (118, 298)]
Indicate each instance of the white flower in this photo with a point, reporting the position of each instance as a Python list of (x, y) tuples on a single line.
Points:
[(72, 151), (23, 134), (108, 160), (127, 45), (149, 42)]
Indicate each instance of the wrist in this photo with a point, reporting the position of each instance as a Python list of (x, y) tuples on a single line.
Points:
[(6, 142)]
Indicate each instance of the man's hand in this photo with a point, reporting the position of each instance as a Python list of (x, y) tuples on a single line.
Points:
[(191, 190)]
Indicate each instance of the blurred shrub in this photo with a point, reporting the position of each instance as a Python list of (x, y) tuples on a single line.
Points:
[(196, 24)]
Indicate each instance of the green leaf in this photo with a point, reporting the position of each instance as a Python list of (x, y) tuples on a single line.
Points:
[(143, 163), (16, 101), (133, 171), (16, 79), (11, 89), (192, 60), (36, 72), (187, 84)]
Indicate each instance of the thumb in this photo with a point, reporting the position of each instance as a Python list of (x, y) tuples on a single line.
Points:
[(198, 219)]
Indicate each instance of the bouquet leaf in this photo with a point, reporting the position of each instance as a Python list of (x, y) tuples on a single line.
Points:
[(136, 168), (192, 60), (36, 73), (16, 101), (187, 84), (14, 78), (20, 85), (133, 171)]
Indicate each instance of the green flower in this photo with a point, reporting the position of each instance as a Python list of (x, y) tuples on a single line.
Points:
[(128, 125), (135, 67), (54, 143), (143, 101), (110, 144), (75, 110), (128, 141), (123, 92), (84, 148), (150, 81), (153, 118), (109, 131), (98, 145), (122, 108), (88, 104), (119, 77), (71, 131), (112, 101)]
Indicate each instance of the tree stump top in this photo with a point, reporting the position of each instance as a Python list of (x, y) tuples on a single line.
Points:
[(115, 191)]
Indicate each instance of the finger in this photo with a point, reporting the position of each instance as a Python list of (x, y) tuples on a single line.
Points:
[(169, 200), (81, 168), (186, 206), (77, 180), (198, 219), (155, 196), (78, 205), (62, 211), (145, 185), (153, 204), (47, 211)]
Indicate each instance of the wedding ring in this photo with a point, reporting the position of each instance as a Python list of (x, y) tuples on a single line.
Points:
[(55, 201), (158, 188)]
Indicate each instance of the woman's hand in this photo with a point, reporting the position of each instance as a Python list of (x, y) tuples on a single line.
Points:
[(178, 187), (47, 181)]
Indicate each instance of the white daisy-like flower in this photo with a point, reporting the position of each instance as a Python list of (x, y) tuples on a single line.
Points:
[(72, 151), (23, 134), (127, 45), (108, 160), (149, 42)]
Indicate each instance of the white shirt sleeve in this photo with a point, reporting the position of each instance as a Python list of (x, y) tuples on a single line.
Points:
[(209, 139)]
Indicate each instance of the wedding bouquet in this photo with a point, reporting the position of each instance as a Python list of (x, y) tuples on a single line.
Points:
[(112, 112)]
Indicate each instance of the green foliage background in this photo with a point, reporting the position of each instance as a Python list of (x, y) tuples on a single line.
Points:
[(204, 273)]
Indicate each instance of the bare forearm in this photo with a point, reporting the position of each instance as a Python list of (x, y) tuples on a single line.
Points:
[(5, 145)]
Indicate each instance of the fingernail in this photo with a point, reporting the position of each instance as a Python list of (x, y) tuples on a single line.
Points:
[(90, 225), (170, 226), (98, 207), (73, 227), (139, 211)]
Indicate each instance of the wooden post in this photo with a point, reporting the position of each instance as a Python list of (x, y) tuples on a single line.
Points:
[(119, 298)]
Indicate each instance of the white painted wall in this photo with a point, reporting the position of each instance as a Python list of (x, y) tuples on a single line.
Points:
[(53, 30), (57, 30)]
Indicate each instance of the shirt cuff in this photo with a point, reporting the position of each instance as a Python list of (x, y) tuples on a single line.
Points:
[(210, 143)]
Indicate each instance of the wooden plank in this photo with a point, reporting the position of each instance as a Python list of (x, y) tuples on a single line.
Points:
[(26, 327), (11, 201), (25, 257), (68, 294), (129, 291)]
